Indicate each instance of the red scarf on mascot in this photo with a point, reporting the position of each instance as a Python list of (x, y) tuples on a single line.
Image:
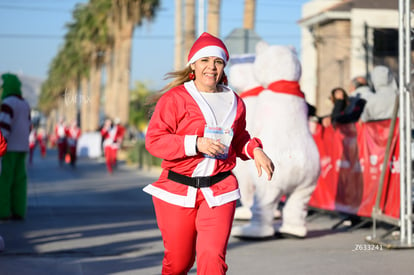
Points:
[(286, 87), (252, 92)]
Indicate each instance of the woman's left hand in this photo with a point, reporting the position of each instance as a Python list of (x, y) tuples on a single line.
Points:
[(262, 161)]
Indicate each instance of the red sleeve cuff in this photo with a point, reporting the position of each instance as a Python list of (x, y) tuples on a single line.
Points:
[(251, 145)]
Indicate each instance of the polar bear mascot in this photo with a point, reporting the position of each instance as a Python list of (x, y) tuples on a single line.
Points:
[(242, 80), (281, 122)]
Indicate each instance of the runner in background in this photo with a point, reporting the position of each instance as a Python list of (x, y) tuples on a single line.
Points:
[(32, 144), (60, 133), (112, 135), (73, 135), (42, 141)]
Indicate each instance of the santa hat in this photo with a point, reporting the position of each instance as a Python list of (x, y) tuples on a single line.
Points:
[(207, 45)]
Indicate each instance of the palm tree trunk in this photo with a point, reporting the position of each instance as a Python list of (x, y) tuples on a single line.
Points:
[(249, 14), (121, 71), (95, 95), (71, 101), (189, 31), (213, 17), (109, 85), (61, 110), (84, 105)]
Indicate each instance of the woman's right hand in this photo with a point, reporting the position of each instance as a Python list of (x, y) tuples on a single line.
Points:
[(210, 147)]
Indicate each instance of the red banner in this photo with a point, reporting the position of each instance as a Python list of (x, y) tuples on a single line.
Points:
[(352, 157)]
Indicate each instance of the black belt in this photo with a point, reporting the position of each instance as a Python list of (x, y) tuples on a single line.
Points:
[(198, 182)]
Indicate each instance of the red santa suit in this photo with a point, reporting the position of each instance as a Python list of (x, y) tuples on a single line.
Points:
[(195, 195), (32, 144), (60, 133), (195, 219), (175, 144), (73, 134), (112, 139), (42, 140), (3, 147)]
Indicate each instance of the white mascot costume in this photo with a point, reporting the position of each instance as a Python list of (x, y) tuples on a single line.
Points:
[(242, 80), (281, 122)]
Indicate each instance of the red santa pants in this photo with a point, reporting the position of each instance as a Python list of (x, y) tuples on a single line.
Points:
[(110, 157), (62, 147), (73, 157), (43, 149), (187, 231)]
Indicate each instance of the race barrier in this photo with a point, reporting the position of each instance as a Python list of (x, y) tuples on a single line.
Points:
[(352, 157)]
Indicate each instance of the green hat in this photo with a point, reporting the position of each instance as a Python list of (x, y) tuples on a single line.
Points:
[(11, 85)]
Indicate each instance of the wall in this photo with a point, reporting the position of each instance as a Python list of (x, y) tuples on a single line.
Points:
[(333, 61)]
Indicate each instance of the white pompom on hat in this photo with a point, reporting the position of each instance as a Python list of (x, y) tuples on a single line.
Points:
[(208, 45)]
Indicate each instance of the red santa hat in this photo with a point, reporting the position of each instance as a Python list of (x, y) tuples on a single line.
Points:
[(207, 45)]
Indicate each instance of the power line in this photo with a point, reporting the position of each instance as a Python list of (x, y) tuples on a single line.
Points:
[(51, 36), (7, 7)]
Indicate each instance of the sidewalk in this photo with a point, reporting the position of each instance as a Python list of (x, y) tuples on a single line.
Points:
[(85, 221)]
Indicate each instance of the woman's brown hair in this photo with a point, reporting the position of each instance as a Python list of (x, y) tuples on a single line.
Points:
[(179, 78)]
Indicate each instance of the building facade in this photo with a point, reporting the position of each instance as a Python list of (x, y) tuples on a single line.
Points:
[(343, 39)]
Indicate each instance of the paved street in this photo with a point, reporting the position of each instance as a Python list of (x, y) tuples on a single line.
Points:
[(84, 221)]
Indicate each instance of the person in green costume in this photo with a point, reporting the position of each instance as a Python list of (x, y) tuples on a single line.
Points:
[(15, 123)]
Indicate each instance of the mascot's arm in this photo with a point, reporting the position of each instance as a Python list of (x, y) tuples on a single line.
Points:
[(161, 139)]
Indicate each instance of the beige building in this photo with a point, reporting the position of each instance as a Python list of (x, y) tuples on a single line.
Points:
[(342, 39)]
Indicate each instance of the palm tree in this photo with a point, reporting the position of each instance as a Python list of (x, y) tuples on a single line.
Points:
[(100, 34), (124, 16), (96, 40), (59, 90)]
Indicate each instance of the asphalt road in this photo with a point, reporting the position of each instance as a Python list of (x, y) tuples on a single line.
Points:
[(84, 221)]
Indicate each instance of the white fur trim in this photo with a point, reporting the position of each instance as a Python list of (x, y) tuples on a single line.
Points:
[(184, 201), (245, 149), (220, 199), (190, 145), (189, 200), (206, 166), (209, 51)]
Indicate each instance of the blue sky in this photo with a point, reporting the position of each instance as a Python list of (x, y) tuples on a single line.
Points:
[(31, 33)]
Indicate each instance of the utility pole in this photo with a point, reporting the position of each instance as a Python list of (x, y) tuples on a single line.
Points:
[(189, 31), (249, 14), (213, 17), (201, 17)]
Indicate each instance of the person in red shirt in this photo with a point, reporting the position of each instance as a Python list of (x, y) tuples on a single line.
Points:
[(112, 135), (3, 150), (32, 144), (3, 147), (198, 128), (42, 141), (72, 135), (60, 133)]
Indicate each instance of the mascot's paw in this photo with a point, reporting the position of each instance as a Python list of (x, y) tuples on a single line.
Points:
[(278, 214), (289, 231), (243, 213), (253, 231)]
